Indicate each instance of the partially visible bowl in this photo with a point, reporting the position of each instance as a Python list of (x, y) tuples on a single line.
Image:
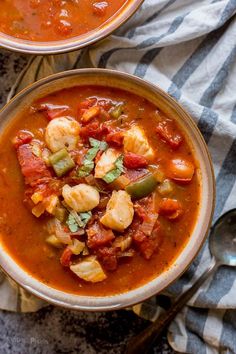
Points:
[(61, 46), (169, 106)]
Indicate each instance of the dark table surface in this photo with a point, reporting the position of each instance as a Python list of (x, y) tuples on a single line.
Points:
[(55, 330)]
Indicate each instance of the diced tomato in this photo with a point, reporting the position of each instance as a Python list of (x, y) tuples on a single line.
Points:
[(89, 102), (108, 258), (145, 210), (139, 237), (22, 137), (55, 113), (170, 208), (104, 115), (53, 186), (132, 161), (64, 27), (90, 130), (99, 8), (168, 132), (147, 245), (33, 168), (65, 259), (104, 199), (66, 229), (115, 138), (180, 170), (99, 236), (141, 212), (52, 111), (134, 174), (46, 187), (106, 104), (79, 155), (94, 130)]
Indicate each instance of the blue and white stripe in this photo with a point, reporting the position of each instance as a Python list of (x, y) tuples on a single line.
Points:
[(187, 47)]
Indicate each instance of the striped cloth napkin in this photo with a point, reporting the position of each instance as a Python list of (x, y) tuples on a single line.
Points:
[(187, 47)]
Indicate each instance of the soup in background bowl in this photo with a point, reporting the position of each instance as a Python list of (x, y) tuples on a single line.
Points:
[(55, 26), (107, 189)]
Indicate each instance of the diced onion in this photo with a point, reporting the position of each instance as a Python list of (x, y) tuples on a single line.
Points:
[(77, 246), (123, 242), (54, 227), (53, 241)]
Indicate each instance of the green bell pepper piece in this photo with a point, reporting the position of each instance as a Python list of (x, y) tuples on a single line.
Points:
[(61, 162), (142, 187), (116, 111)]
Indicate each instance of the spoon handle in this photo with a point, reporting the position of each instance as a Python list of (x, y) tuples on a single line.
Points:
[(144, 340)]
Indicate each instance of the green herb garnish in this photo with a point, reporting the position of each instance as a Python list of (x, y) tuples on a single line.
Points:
[(115, 172), (85, 170), (88, 163), (76, 221), (101, 145), (85, 217), (72, 223)]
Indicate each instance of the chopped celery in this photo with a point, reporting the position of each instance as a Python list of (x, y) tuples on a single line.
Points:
[(61, 162), (85, 170), (101, 145), (88, 164)]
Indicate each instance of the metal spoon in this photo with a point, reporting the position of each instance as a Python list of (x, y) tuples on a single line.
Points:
[(222, 241)]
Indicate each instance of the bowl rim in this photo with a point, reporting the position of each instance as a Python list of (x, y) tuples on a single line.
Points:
[(126, 299), (74, 43)]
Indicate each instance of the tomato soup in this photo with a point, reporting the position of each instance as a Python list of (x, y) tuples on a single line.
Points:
[(99, 190), (54, 20)]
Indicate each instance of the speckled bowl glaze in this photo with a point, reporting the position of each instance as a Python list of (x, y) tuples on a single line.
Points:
[(172, 109), (74, 43)]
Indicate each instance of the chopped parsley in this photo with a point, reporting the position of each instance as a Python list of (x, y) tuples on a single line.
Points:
[(76, 221), (115, 172), (88, 163), (72, 223)]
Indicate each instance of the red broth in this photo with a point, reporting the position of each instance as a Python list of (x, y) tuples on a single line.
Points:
[(23, 235), (54, 20)]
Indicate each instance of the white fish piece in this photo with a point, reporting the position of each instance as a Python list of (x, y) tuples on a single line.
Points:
[(89, 269), (136, 141), (62, 133), (106, 162), (119, 212), (81, 198)]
